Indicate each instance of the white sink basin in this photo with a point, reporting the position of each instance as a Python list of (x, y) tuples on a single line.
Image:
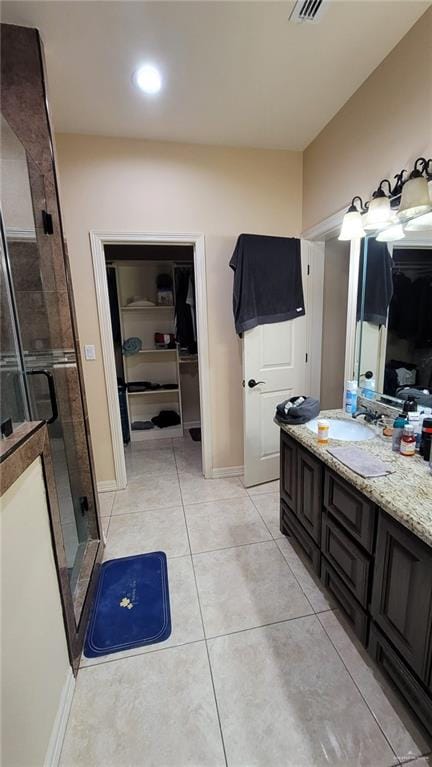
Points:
[(351, 431)]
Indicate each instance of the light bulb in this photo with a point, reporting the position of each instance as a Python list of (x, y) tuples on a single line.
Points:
[(148, 79)]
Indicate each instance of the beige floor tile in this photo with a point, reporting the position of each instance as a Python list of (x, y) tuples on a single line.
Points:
[(267, 487), (268, 505), (106, 502), (141, 532), (424, 761), (246, 586), (285, 699), (151, 444), (141, 464), (220, 524), (393, 718), (196, 489), (151, 710), (185, 613), (310, 584), (148, 493), (189, 461)]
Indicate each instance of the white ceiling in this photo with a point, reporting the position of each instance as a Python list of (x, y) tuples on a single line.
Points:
[(235, 73)]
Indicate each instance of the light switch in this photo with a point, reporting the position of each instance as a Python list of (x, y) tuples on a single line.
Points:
[(90, 351)]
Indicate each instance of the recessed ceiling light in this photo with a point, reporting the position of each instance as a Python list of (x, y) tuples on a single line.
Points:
[(148, 79)]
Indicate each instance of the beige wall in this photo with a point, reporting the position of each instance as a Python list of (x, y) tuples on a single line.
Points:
[(384, 126), (34, 657), (132, 185)]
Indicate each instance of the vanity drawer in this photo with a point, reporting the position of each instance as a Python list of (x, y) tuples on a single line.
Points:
[(351, 509), (352, 610), (349, 561), (289, 525), (393, 667)]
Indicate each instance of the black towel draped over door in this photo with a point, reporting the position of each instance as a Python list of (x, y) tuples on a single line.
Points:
[(267, 280)]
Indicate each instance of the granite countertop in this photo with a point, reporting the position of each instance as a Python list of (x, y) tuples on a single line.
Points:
[(406, 494)]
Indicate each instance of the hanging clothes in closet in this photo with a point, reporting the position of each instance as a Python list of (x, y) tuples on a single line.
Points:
[(185, 314)]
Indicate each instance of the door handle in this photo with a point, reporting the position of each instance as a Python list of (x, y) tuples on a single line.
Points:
[(51, 389), (252, 383)]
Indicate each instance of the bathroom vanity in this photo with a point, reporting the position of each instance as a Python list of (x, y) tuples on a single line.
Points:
[(370, 542)]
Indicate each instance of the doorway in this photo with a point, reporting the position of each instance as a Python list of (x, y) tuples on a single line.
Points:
[(156, 370)]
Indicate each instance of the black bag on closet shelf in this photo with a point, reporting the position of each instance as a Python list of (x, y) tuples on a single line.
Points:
[(290, 413), (166, 418)]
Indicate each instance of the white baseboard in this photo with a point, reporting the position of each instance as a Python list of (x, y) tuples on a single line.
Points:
[(55, 745), (227, 471), (107, 486)]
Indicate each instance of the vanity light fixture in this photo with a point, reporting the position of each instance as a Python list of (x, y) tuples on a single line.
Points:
[(148, 79), (378, 214), (392, 234), (352, 224), (420, 223), (429, 177), (415, 198), (407, 201)]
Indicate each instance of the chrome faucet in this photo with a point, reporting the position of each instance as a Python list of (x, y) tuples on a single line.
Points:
[(370, 416)]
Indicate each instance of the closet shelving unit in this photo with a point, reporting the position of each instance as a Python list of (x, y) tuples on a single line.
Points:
[(153, 364)]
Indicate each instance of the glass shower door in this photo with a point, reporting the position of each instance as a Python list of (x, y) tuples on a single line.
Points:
[(43, 312)]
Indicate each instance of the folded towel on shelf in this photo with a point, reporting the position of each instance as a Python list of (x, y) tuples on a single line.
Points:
[(142, 425), (364, 464), (131, 346)]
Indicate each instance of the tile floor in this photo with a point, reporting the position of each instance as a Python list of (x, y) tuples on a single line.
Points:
[(259, 669)]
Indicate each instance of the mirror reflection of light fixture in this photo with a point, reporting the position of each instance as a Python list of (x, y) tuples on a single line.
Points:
[(378, 214), (352, 225), (420, 223), (429, 177), (392, 234), (415, 198)]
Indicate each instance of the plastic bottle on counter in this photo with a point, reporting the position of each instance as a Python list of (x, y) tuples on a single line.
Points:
[(323, 431), (351, 397), (426, 439), (368, 385), (398, 427), (407, 445)]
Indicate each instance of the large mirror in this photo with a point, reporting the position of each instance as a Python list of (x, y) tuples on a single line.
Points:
[(393, 345)]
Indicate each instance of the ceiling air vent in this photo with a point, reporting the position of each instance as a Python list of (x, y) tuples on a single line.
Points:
[(307, 10)]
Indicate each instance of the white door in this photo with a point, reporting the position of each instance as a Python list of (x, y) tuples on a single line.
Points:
[(275, 359)]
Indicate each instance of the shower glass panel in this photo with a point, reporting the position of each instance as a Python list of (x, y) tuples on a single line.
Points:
[(13, 399), (48, 352)]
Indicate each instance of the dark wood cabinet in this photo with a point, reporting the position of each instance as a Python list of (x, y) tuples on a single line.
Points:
[(309, 493), (355, 512), (355, 615), (402, 593), (377, 571), (400, 675), (288, 470), (290, 525), (349, 561)]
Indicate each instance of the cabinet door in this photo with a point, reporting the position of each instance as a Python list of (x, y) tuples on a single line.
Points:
[(402, 592), (288, 472), (309, 493)]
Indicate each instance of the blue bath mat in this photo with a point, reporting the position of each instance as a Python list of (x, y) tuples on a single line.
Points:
[(131, 606)]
